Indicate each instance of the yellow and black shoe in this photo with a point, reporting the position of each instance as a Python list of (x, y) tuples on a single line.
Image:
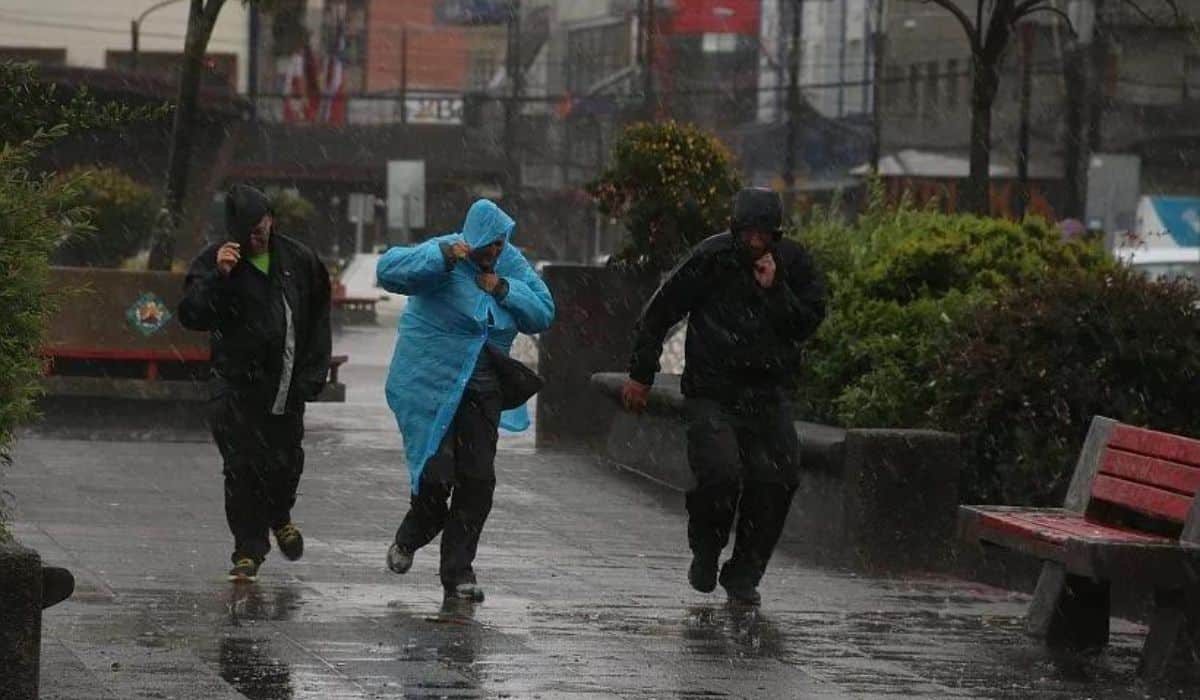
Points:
[(290, 541), (245, 570)]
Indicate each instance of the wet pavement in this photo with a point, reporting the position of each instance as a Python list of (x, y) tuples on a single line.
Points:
[(584, 568)]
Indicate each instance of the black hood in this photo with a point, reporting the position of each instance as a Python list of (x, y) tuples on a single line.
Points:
[(244, 208), (757, 207)]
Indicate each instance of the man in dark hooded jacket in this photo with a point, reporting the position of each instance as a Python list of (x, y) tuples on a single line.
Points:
[(752, 298), (264, 299)]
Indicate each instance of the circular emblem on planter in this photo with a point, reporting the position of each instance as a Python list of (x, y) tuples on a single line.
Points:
[(148, 314)]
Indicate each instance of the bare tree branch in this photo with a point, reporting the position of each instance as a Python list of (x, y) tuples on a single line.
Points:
[(1025, 7), (1053, 10), (1145, 15), (963, 19)]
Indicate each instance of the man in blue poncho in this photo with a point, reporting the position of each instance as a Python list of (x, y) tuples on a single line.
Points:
[(469, 294)]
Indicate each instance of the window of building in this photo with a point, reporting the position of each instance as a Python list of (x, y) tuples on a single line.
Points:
[(892, 86), (483, 69), (953, 83), (719, 43), (933, 88), (914, 88), (594, 53), (1191, 77)]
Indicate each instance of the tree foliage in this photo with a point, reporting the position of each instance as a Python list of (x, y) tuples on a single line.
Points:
[(671, 184), (121, 216)]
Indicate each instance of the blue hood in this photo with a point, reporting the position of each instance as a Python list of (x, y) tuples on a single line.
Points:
[(486, 223)]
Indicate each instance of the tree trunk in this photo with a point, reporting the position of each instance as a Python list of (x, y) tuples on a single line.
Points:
[(985, 81), (199, 29), (1076, 155)]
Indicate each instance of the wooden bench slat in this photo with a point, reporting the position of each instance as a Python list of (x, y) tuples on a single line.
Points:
[(135, 354), (1148, 500), (1058, 526), (1131, 466), (1172, 448)]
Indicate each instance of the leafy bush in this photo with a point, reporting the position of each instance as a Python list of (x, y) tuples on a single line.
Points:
[(1026, 375), (35, 212), (672, 185), (121, 214), (293, 212), (902, 282)]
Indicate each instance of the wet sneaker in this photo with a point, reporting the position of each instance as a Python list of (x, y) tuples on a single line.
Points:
[(399, 560), (290, 541), (244, 570), (466, 591), (743, 595), (702, 574)]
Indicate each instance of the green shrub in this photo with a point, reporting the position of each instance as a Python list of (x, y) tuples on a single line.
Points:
[(671, 184), (1025, 376), (293, 213), (121, 214), (34, 212), (902, 281)]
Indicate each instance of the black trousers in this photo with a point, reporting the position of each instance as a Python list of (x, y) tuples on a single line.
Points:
[(745, 458), (455, 494), (263, 461)]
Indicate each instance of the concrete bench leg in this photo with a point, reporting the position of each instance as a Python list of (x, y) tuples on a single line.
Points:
[(1168, 627), (1068, 609)]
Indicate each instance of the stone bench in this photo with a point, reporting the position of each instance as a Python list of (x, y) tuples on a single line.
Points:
[(26, 588), (873, 498)]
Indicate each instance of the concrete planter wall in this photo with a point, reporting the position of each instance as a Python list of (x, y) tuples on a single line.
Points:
[(593, 332), (26, 587), (871, 498)]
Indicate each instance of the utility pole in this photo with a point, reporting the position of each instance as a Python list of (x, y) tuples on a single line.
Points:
[(135, 30), (648, 68), (252, 73), (511, 105), (1024, 196), (793, 100), (404, 73), (878, 43), (1079, 98)]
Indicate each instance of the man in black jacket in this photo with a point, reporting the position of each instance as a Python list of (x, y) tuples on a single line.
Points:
[(752, 299), (264, 299)]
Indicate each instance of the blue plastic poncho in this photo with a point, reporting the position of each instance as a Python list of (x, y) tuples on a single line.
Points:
[(447, 321)]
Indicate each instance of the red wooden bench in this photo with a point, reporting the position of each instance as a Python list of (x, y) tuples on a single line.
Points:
[(1130, 514), (138, 373)]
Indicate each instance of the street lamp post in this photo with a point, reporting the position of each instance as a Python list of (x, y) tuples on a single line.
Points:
[(135, 27)]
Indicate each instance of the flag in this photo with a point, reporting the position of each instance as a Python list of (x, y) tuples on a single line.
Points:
[(300, 87), (333, 92)]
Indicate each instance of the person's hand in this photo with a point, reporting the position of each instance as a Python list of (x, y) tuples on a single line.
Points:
[(488, 281), (459, 250), (634, 396), (228, 256), (764, 271)]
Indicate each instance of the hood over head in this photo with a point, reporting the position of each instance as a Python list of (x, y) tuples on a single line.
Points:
[(486, 223), (245, 206), (757, 207)]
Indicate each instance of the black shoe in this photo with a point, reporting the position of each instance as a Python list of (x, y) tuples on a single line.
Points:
[(702, 574), (743, 595), (245, 570), (399, 560), (290, 541), (466, 591)]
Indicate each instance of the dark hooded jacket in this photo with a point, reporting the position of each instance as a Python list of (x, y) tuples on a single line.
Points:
[(741, 339), (247, 312)]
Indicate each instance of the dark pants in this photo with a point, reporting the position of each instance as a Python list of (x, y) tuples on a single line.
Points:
[(455, 494), (745, 460), (263, 462)]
